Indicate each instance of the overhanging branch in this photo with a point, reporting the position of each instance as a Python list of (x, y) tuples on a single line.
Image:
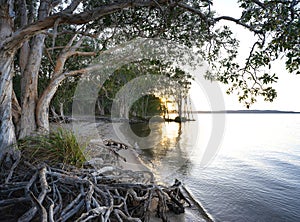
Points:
[(16, 40), (195, 11), (237, 21), (79, 53)]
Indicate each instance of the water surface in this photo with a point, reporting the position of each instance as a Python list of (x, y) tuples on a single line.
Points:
[(255, 175)]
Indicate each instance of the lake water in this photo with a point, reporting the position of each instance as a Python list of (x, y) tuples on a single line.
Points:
[(255, 175)]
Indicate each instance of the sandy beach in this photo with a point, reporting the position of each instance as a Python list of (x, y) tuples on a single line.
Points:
[(99, 156)]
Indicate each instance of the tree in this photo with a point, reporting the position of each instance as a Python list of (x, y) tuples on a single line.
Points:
[(174, 82), (25, 27), (146, 106), (275, 26)]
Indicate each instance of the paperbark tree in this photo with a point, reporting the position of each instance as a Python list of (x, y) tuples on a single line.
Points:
[(7, 131), (274, 23), (11, 41)]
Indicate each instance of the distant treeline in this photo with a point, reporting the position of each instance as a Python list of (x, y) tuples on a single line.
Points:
[(250, 111)]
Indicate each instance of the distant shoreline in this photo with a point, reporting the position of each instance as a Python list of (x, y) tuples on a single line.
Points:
[(248, 112)]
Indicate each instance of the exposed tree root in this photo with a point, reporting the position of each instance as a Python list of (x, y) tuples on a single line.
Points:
[(63, 193)]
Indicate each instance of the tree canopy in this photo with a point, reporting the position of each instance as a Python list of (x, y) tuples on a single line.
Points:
[(45, 42)]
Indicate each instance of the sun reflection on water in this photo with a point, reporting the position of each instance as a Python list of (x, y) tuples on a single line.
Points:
[(171, 133)]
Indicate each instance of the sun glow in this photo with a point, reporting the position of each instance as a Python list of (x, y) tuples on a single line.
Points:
[(169, 104)]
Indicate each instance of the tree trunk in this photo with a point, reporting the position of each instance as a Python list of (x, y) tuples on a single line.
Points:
[(7, 132), (61, 110), (54, 114), (42, 108), (28, 121), (100, 105), (146, 106), (25, 49), (179, 103), (16, 113), (30, 78)]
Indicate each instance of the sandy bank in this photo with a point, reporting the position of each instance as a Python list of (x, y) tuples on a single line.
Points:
[(126, 159), (97, 152)]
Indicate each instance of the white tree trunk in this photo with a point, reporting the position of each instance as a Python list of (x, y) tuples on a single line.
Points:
[(30, 78), (61, 110), (42, 108), (31, 72), (7, 131), (179, 104), (100, 106)]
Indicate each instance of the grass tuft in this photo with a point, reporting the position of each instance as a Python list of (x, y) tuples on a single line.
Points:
[(60, 146)]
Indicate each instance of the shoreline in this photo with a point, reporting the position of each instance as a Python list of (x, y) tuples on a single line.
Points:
[(96, 149), (96, 146), (128, 160)]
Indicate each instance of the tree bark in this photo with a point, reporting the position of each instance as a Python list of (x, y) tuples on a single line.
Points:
[(7, 131), (100, 105), (30, 78), (14, 41), (42, 108), (28, 121), (23, 58), (16, 110), (25, 49), (61, 110)]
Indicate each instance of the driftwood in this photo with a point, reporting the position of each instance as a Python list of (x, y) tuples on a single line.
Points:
[(59, 118), (118, 145), (64, 193)]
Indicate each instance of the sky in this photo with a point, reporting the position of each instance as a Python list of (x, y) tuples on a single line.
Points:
[(288, 85)]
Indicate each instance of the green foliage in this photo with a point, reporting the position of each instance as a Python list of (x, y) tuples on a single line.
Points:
[(178, 87), (278, 24), (60, 146), (148, 105), (275, 25), (276, 28)]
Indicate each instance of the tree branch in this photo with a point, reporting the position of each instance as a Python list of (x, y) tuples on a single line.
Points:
[(49, 56), (195, 11), (16, 40), (81, 71), (237, 21), (79, 53), (74, 4), (76, 72), (259, 3), (73, 32)]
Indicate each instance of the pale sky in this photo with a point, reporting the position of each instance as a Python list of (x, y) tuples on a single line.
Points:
[(288, 86)]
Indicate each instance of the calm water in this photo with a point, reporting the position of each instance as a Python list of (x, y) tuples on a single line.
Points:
[(255, 175)]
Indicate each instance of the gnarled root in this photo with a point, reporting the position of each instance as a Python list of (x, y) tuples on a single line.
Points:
[(66, 193)]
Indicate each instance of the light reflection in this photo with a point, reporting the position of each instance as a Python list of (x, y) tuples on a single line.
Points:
[(172, 131), (170, 110), (167, 155)]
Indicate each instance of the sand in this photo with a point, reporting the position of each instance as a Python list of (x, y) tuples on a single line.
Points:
[(97, 152), (99, 155)]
